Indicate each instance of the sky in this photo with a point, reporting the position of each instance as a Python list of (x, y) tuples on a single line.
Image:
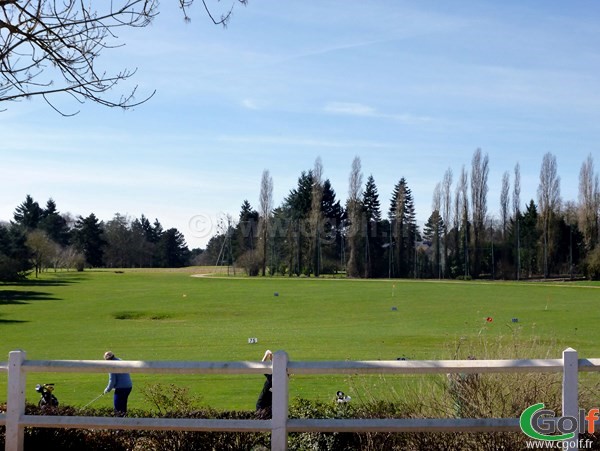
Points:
[(413, 88)]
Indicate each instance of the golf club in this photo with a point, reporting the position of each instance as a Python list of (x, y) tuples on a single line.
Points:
[(93, 400)]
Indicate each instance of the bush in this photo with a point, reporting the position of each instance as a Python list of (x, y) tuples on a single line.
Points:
[(491, 396), (130, 440), (251, 261), (330, 266), (11, 269), (591, 267)]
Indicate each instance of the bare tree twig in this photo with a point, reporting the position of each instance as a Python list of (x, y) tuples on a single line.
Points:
[(51, 47)]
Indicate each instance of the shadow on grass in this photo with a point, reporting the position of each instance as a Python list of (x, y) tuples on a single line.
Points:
[(58, 282), (10, 296), (12, 321), (20, 297), (24, 297)]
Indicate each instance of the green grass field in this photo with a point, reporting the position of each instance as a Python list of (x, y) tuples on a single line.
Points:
[(170, 315)]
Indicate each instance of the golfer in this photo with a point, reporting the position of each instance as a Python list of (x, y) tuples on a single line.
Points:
[(121, 383), (265, 399)]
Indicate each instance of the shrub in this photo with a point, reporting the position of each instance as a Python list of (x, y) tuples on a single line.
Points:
[(330, 266), (591, 265), (170, 399), (251, 261)]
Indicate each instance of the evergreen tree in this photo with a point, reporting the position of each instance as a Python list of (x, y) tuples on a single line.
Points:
[(212, 252), (530, 237), (28, 214), (15, 260), (141, 248), (172, 251), (245, 240), (88, 239), (299, 199), (432, 233), (150, 233), (404, 229), (54, 224), (570, 243), (280, 236), (373, 239), (245, 237), (331, 230), (156, 231), (297, 207), (370, 201), (291, 231)]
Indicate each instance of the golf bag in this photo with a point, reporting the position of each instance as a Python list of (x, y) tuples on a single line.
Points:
[(47, 399)]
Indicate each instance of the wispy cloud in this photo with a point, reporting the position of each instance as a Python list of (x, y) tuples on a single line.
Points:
[(318, 51), (361, 110), (250, 104), (298, 141), (352, 109)]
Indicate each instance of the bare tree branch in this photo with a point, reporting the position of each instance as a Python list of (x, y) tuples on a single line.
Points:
[(549, 204), (479, 190), (51, 47)]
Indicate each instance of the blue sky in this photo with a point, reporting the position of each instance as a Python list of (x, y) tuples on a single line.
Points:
[(413, 88)]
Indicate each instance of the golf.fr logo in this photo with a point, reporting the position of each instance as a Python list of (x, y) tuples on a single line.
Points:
[(538, 423)]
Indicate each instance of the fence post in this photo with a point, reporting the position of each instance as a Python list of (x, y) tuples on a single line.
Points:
[(15, 403), (279, 436), (570, 392)]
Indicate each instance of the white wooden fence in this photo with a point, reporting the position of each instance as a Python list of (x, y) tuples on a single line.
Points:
[(280, 425)]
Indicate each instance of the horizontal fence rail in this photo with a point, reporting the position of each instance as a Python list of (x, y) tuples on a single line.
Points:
[(15, 420)]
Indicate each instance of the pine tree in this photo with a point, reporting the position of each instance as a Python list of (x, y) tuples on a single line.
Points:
[(54, 224), (404, 229), (246, 230), (88, 238), (530, 237), (297, 206), (28, 214), (331, 230), (172, 251), (373, 242), (15, 261), (143, 249), (432, 232)]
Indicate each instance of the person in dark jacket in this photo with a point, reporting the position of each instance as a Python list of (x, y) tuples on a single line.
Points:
[(265, 398), (122, 385)]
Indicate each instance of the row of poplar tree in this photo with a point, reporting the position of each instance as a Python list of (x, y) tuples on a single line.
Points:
[(41, 237), (312, 233)]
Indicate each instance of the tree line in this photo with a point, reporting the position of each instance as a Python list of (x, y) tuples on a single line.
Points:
[(312, 233), (39, 238)]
